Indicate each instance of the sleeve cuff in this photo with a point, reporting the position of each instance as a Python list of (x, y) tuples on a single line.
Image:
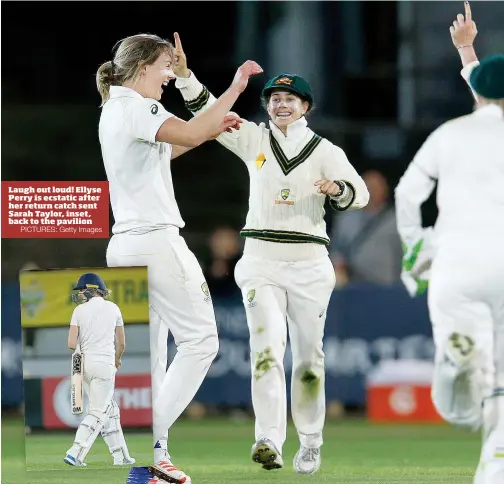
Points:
[(190, 87), (466, 71), (155, 128)]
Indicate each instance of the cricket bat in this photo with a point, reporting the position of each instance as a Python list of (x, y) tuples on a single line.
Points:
[(76, 382)]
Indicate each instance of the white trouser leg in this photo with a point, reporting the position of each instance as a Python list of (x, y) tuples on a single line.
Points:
[(179, 295), (309, 290), (113, 436), (458, 391), (100, 378), (491, 466), (159, 365), (268, 337)]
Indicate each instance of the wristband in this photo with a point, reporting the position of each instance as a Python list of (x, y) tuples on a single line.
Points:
[(342, 186)]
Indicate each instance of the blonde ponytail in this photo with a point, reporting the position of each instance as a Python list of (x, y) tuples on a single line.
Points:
[(104, 79)]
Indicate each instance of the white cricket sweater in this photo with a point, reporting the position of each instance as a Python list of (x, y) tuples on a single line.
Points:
[(284, 206)]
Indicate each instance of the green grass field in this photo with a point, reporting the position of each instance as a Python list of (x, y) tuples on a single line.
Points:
[(217, 452)]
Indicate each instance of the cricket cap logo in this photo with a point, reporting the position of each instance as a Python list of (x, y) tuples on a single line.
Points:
[(284, 80), (251, 295), (285, 193)]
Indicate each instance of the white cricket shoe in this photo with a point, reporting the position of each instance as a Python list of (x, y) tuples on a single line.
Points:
[(125, 462), (72, 461), (307, 460), (166, 471), (264, 452)]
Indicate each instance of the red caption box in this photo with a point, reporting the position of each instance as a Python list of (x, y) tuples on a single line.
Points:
[(53, 210)]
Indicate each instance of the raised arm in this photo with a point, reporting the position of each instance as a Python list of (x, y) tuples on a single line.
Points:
[(199, 101), (463, 33), (148, 120)]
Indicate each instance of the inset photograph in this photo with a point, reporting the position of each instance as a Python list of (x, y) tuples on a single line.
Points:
[(86, 368)]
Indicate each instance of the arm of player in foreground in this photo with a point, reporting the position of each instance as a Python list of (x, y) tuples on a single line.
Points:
[(147, 120), (414, 188), (211, 122), (198, 99)]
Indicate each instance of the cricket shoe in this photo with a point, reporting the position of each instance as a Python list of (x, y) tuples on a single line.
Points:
[(307, 460), (72, 461), (460, 351), (166, 471), (264, 452), (125, 462)]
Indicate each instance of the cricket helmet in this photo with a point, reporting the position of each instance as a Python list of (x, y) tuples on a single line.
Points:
[(88, 286), (291, 83), (487, 79)]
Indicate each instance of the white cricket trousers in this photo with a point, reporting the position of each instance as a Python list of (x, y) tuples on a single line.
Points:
[(277, 294), (179, 302), (99, 384), (466, 295)]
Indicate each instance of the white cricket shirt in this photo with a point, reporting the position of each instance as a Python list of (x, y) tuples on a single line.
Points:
[(466, 158), (97, 320), (137, 167)]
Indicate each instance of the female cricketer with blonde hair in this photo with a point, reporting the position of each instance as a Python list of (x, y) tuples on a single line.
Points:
[(139, 139), (285, 271)]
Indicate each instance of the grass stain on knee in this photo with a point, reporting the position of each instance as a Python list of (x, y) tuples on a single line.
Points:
[(311, 383), (264, 363), (260, 330)]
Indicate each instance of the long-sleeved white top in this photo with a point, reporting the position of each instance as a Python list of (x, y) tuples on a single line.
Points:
[(465, 156), (284, 205)]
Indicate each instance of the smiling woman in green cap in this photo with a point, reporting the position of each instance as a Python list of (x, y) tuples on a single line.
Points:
[(285, 273)]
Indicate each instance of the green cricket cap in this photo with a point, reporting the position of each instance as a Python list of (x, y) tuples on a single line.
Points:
[(289, 82), (487, 79)]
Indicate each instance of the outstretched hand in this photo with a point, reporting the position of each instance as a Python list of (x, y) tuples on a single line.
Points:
[(463, 31), (180, 60), (244, 73), (231, 122)]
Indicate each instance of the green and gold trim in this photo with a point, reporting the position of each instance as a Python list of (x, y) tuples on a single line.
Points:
[(288, 165), (200, 102), (284, 236)]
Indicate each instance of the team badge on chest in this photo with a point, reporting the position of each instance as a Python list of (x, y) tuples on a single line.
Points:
[(285, 197)]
